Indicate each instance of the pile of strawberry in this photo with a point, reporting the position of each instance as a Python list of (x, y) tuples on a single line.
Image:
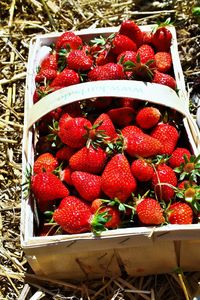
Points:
[(107, 163), (128, 54), (114, 162)]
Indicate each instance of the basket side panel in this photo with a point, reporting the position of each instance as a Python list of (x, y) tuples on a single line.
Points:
[(190, 255)]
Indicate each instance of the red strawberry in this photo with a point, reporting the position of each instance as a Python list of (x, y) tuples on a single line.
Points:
[(46, 162), (146, 53), (65, 153), (72, 130), (121, 116), (129, 102), (106, 125), (180, 213), (148, 117), (142, 68), (150, 212), (66, 78), (65, 175), (142, 169), (167, 135), (161, 39), (141, 144), (128, 131), (100, 103), (47, 187), (73, 109), (46, 74), (104, 57), (73, 215), (177, 157), (126, 56), (113, 213), (164, 177), (50, 62), (42, 91), (163, 61), (68, 40), (88, 185), (122, 43), (110, 71), (183, 184), (132, 30), (147, 36), (88, 160), (164, 79), (117, 180), (79, 60)]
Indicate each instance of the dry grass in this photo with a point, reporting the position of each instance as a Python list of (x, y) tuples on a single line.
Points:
[(20, 21)]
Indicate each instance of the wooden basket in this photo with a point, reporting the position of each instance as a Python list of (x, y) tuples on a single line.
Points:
[(137, 251)]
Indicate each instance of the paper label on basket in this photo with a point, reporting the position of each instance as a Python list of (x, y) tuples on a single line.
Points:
[(154, 93)]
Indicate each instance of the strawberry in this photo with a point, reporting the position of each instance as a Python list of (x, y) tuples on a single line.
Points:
[(189, 168), (46, 74), (141, 144), (65, 153), (79, 60), (73, 109), (163, 61), (146, 53), (142, 68), (121, 116), (88, 185), (163, 181), (180, 213), (130, 130), (161, 39), (113, 213), (147, 36), (122, 43), (68, 40), (142, 169), (129, 102), (177, 157), (42, 91), (117, 180), (148, 117), (167, 135), (46, 162), (126, 56), (100, 103), (66, 78), (50, 62), (164, 79), (183, 184), (65, 175), (103, 57), (73, 215), (106, 126), (88, 160), (47, 187), (110, 71), (150, 212), (132, 30), (72, 130)]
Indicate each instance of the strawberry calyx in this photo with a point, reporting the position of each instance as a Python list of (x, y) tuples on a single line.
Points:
[(189, 168), (98, 221), (141, 71), (95, 137)]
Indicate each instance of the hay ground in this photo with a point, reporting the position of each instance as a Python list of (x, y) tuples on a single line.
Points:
[(20, 21)]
